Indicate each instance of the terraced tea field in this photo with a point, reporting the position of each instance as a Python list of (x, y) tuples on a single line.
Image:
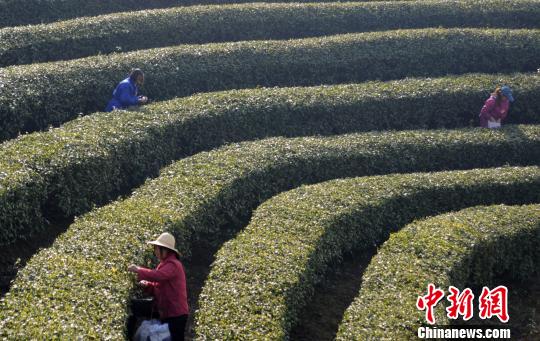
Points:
[(319, 163)]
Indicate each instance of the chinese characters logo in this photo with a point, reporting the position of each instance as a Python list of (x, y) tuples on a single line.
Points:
[(490, 303)]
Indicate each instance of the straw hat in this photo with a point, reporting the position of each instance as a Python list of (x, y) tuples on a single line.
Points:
[(166, 240)]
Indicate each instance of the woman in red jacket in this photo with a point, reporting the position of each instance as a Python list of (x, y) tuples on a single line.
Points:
[(496, 107), (167, 283)]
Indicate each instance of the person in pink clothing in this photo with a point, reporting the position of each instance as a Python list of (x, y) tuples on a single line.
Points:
[(167, 283), (496, 107)]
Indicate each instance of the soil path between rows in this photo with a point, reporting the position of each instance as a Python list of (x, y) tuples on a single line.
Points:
[(15, 256)]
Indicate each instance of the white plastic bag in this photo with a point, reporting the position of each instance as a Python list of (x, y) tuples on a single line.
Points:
[(152, 330), (494, 124)]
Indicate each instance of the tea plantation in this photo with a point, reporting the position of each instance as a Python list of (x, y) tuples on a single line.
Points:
[(282, 141)]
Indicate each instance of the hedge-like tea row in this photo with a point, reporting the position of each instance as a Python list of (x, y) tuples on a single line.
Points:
[(82, 276), (23, 12), (203, 24), (66, 171), (466, 248), (263, 278), (35, 96)]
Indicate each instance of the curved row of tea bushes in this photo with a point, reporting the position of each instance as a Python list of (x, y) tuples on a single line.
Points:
[(38, 95), (89, 161), (262, 279), (24, 12), (463, 249), (203, 24), (82, 276)]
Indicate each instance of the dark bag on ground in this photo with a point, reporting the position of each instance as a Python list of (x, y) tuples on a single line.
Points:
[(143, 308)]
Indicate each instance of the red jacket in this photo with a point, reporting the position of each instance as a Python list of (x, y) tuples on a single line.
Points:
[(493, 111), (168, 286)]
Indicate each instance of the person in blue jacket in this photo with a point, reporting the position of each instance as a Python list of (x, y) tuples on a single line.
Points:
[(125, 95)]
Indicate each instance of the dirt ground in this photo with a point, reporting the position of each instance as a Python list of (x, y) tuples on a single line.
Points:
[(320, 319)]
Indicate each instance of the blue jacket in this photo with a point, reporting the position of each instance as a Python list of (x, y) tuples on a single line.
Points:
[(124, 95)]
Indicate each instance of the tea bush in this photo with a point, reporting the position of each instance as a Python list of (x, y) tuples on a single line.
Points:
[(203, 24), (23, 12), (38, 95), (261, 280), (82, 276), (466, 248), (89, 161)]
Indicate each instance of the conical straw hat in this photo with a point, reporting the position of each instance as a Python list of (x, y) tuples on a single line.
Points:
[(166, 240)]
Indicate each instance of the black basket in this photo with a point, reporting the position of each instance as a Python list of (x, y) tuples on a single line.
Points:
[(143, 307)]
